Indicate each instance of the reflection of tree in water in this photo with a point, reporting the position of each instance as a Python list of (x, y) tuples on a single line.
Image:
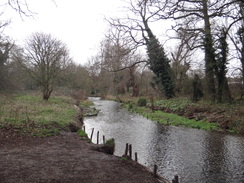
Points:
[(215, 168)]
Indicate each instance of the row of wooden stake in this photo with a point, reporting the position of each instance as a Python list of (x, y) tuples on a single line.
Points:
[(128, 148), (97, 135), (128, 153)]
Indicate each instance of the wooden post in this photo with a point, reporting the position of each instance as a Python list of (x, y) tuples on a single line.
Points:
[(84, 127), (126, 149), (136, 156), (130, 151), (155, 170), (176, 179), (103, 139), (98, 137), (92, 133)]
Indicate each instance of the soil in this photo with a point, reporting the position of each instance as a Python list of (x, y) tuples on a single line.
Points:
[(63, 158)]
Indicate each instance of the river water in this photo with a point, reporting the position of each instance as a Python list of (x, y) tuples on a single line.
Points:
[(196, 156)]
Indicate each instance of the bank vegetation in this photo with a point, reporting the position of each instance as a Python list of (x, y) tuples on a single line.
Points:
[(198, 64)]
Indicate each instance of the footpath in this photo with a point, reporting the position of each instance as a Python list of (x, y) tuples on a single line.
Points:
[(64, 158)]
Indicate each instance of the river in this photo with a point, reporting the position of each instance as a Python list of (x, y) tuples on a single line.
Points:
[(196, 156)]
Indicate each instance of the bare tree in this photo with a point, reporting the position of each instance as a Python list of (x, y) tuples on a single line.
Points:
[(137, 26), (182, 58), (45, 58), (93, 67), (20, 6), (237, 38)]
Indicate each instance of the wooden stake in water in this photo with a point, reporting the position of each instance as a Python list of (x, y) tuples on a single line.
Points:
[(103, 139), (136, 156), (130, 151), (176, 179), (155, 170), (92, 133), (126, 149), (98, 137)]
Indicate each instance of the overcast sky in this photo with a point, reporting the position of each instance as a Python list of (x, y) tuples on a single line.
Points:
[(79, 24)]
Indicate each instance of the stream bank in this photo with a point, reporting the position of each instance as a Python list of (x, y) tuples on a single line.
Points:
[(193, 154), (225, 118)]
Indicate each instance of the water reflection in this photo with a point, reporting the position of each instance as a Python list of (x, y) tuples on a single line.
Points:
[(194, 155)]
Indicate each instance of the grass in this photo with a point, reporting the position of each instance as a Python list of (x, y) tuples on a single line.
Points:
[(87, 109), (82, 134), (174, 104), (173, 119), (123, 159), (206, 115), (110, 142), (86, 103), (29, 114)]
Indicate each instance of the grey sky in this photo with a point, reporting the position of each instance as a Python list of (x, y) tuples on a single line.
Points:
[(79, 24)]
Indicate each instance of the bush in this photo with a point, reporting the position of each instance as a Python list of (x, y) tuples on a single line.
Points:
[(130, 106), (142, 102)]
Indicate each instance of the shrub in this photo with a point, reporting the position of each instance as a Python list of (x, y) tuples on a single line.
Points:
[(130, 106), (142, 102)]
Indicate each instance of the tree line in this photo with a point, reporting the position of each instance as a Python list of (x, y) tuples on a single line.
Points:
[(209, 32)]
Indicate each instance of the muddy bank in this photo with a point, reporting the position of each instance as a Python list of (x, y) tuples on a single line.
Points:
[(63, 158)]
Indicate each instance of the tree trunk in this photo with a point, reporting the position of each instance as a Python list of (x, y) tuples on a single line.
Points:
[(47, 92), (242, 71), (210, 62), (159, 63), (223, 93), (135, 89)]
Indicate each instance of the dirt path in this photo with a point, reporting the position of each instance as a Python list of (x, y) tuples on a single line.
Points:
[(63, 158)]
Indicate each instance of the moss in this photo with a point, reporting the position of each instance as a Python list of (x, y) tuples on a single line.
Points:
[(110, 142)]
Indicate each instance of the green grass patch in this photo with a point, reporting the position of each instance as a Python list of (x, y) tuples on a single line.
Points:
[(173, 119), (31, 115), (86, 103), (123, 159), (87, 109), (174, 104), (83, 134)]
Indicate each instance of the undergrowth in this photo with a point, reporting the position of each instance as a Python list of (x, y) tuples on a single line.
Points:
[(202, 115)]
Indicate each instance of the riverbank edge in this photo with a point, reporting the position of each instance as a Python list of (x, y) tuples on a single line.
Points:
[(26, 144), (88, 111), (124, 158), (195, 114), (12, 134)]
